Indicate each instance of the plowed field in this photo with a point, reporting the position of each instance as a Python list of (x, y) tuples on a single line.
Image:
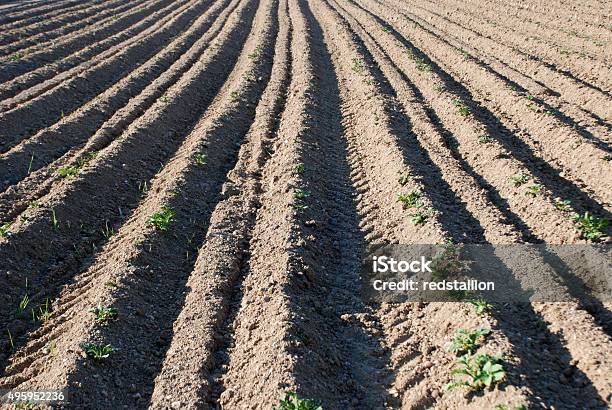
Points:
[(212, 171)]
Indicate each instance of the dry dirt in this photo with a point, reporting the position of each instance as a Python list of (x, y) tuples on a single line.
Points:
[(222, 110)]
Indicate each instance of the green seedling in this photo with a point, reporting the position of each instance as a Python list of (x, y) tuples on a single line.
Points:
[(104, 314), (163, 99), (10, 338), (44, 312), (563, 205), (4, 229), (200, 159), (485, 139), (534, 190), (68, 171), (464, 53), (256, 53), (463, 109), (419, 218), (299, 169), (23, 303), (404, 178), (467, 341), (25, 405), (291, 401), (358, 66), (591, 227), (483, 372), (54, 220), (234, 95), (447, 262), (301, 194), (16, 57), (481, 306), (99, 352), (143, 187), (30, 164), (107, 231), (421, 64), (386, 29), (519, 179), (607, 157), (299, 207), (162, 220), (410, 200), (517, 407)]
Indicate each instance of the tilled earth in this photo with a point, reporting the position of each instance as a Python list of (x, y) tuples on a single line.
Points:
[(281, 132)]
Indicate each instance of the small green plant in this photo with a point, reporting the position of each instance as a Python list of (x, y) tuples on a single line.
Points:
[(104, 314), (301, 194), (54, 220), (386, 29), (410, 200), (404, 178), (143, 187), (162, 220), (256, 53), (163, 99), (44, 312), (464, 53), (421, 64), (467, 341), (299, 207), (68, 171), (291, 401), (234, 95), (607, 157), (591, 227), (99, 352), (481, 306), (200, 159), (482, 371), (517, 407), (463, 109), (4, 229), (23, 303), (534, 190), (30, 164), (107, 231), (563, 205), (299, 169), (519, 179), (485, 139), (10, 338), (358, 66), (447, 262), (16, 57), (419, 218)]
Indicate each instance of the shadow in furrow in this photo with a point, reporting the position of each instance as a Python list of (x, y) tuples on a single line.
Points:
[(331, 349)]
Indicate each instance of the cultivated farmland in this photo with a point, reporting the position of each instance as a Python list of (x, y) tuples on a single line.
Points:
[(187, 188)]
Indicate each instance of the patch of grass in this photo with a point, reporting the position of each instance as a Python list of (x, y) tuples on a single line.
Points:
[(23, 303), (410, 200), (4, 229), (481, 306), (291, 401), (591, 227), (467, 341), (107, 231), (161, 220), (482, 372), (463, 109), (200, 159), (534, 190), (519, 179), (104, 314), (99, 352), (485, 139)]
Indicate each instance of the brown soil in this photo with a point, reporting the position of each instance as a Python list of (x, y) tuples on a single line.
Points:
[(224, 111)]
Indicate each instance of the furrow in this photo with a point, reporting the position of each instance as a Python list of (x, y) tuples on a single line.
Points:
[(46, 77), (48, 108), (45, 11), (151, 277), (13, 40), (526, 73), (215, 279), (72, 46), (95, 125), (114, 180), (587, 72), (538, 136)]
